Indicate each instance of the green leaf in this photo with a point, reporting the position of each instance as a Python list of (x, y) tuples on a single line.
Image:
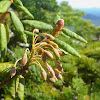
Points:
[(66, 47), (4, 5), (12, 88), (17, 23), (5, 70), (64, 35), (3, 38), (25, 10), (20, 89), (56, 19), (23, 38), (37, 24), (18, 2), (7, 32), (29, 33), (73, 35)]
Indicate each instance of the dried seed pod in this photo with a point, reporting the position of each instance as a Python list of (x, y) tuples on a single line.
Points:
[(44, 74), (59, 75), (59, 64), (13, 71), (50, 70), (24, 59), (61, 53), (43, 57), (56, 53), (50, 37), (48, 54), (53, 44)]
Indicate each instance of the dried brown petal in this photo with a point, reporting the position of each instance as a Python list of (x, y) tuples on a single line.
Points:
[(50, 37), (53, 44), (48, 54), (13, 71), (61, 53), (24, 59), (44, 74), (43, 57), (50, 70), (56, 53)]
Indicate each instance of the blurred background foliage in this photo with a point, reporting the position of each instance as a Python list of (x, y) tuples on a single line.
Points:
[(83, 79)]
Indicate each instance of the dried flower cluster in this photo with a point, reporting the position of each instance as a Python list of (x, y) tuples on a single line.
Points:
[(41, 51)]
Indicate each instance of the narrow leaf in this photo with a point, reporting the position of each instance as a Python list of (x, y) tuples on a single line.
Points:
[(7, 32), (73, 35), (56, 19), (18, 2), (64, 35), (17, 23), (4, 5), (20, 89), (66, 47), (3, 38), (23, 38), (12, 88), (38, 24)]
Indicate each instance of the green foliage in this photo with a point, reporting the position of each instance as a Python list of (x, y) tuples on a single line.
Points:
[(3, 38), (66, 47), (15, 89), (38, 24), (73, 35), (4, 5)]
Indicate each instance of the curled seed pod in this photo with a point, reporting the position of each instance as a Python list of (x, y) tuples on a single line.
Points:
[(53, 44), (62, 53), (44, 74), (50, 37), (43, 57), (13, 71), (56, 53), (24, 59), (50, 70), (48, 54), (36, 30)]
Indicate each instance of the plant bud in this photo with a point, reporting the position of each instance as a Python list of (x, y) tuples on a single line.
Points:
[(43, 57), (50, 37), (56, 53), (48, 54), (13, 71), (61, 53), (60, 24), (36, 30), (50, 70), (53, 44), (24, 59), (44, 74)]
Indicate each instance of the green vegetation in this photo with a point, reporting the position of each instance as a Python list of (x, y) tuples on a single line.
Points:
[(78, 41)]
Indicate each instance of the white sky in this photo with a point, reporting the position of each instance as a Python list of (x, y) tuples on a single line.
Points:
[(83, 3)]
